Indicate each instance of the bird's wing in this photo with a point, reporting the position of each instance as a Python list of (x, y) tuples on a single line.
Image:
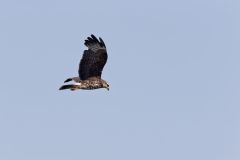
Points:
[(94, 59)]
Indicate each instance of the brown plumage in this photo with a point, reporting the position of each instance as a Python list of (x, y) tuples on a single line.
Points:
[(90, 67)]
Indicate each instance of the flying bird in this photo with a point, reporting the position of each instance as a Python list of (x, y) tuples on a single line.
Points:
[(90, 67)]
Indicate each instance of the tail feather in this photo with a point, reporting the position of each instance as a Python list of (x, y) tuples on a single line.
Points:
[(69, 86), (75, 79), (68, 80)]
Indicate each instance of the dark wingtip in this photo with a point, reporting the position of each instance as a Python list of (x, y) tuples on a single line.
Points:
[(86, 42), (102, 42), (61, 88), (66, 87), (92, 35), (94, 38)]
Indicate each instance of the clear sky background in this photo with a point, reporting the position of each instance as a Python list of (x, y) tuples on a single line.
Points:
[(173, 68)]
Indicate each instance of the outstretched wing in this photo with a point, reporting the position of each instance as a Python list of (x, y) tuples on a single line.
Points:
[(94, 59)]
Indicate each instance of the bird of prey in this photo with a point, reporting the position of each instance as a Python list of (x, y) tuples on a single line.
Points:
[(90, 67)]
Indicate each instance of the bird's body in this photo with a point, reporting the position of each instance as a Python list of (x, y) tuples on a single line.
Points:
[(90, 67), (88, 84)]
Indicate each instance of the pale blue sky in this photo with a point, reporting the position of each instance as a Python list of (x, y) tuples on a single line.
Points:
[(173, 68)]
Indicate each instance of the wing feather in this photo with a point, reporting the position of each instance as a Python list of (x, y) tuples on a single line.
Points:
[(94, 59)]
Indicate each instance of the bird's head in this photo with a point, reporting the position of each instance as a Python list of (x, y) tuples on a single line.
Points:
[(105, 85)]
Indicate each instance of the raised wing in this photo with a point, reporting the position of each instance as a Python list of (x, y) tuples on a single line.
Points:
[(94, 59)]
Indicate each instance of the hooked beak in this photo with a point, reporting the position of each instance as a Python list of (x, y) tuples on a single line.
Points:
[(107, 88)]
